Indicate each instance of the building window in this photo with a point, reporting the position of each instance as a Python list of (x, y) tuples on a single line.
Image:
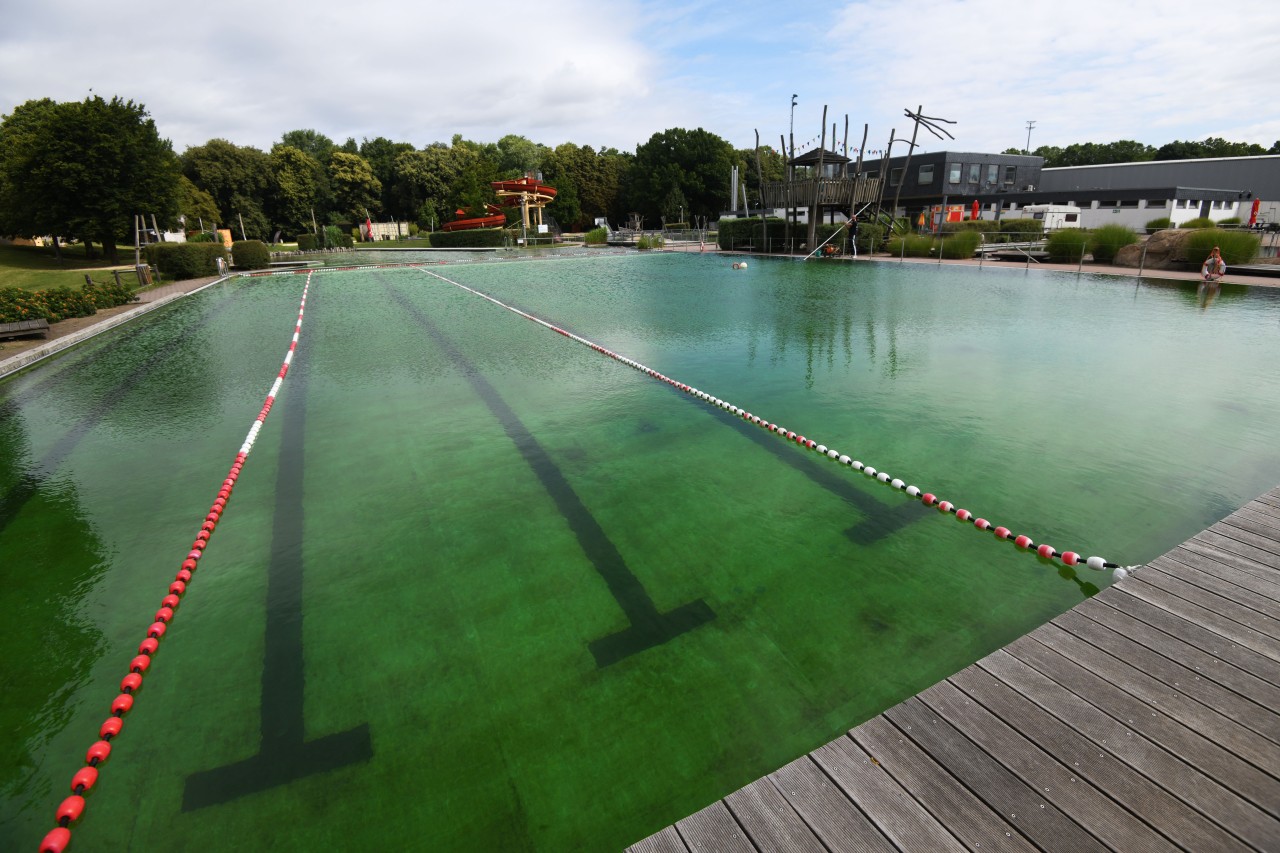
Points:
[(895, 177), (975, 172), (1157, 202), (953, 173), (925, 176), (1010, 175), (1129, 203), (992, 171)]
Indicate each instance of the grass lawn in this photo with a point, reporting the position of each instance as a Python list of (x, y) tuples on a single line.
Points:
[(36, 268)]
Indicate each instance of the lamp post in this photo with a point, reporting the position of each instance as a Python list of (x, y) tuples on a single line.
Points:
[(1030, 124)]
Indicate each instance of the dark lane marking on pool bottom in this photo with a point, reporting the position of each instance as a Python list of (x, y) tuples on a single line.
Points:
[(284, 755), (648, 627), (880, 520), (12, 501)]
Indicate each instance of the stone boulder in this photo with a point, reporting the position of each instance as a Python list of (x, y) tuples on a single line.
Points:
[(1166, 250)]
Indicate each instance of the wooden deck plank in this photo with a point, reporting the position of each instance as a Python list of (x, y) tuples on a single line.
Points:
[(1218, 669), (1255, 521), (769, 820), (1259, 513), (1159, 576), (1195, 715), (1116, 741), (1262, 578), (888, 805), (829, 813), (1210, 642), (1149, 802), (1153, 722), (1236, 705), (1242, 533), (1221, 579), (666, 841), (1080, 801), (1194, 612), (1036, 818), (968, 818), (713, 828), (1235, 546)]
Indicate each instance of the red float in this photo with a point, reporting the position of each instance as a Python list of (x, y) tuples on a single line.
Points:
[(1070, 558), (172, 601), (1023, 542), (56, 841), (1046, 551), (85, 778), (130, 683), (71, 809), (110, 728), (927, 499), (149, 646), (122, 704), (140, 664), (98, 753), (1003, 533)]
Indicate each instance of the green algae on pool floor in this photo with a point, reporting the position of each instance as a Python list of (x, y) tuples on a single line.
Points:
[(395, 635)]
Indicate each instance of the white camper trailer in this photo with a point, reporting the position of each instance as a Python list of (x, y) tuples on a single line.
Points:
[(1054, 216)]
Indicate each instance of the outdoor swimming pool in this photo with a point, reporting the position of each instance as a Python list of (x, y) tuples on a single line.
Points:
[(480, 587)]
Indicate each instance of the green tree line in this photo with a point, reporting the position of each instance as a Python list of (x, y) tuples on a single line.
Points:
[(82, 170), (1129, 151)]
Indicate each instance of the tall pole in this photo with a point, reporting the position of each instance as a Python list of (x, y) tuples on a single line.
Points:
[(764, 228), (906, 164), (791, 174), (1030, 124)]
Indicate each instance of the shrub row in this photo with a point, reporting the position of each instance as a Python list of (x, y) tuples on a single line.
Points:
[(1237, 247), (60, 302), (250, 255), (181, 261), (477, 238), (596, 237), (956, 246)]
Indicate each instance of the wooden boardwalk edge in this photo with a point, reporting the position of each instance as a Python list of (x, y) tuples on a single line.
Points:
[(1145, 718)]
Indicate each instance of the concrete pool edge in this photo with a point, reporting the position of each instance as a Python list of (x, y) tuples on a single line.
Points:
[(22, 360)]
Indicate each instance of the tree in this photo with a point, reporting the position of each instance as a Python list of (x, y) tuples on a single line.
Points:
[(238, 178), (295, 188), (357, 192), (196, 206), (309, 141), (695, 163), (517, 155), (381, 154), (85, 169), (1214, 146)]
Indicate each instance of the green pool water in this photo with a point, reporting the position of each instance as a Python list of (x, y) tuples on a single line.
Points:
[(482, 588)]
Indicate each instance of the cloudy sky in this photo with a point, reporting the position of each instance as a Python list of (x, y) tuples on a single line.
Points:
[(612, 74)]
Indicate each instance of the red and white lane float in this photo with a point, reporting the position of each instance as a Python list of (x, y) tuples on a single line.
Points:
[(1023, 542), (73, 806)]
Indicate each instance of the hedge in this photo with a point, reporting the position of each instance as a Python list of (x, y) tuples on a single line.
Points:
[(870, 237), (961, 245), (250, 254), (596, 237), (1198, 222), (61, 302), (181, 261), (1067, 245), (1238, 247), (1028, 228), (476, 238), (911, 246), (1110, 239)]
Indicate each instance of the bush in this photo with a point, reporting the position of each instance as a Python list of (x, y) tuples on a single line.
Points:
[(108, 295), (910, 245), (960, 245), (981, 226), (60, 303), (203, 237), (650, 241), (307, 242), (1109, 239), (1159, 224), (1068, 245), (596, 237), (1198, 222), (182, 261), (476, 238), (1230, 220), (250, 254), (1237, 247), (413, 229), (335, 237), (1018, 230), (870, 237)]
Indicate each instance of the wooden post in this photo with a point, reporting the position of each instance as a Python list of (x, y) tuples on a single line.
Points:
[(906, 164), (786, 219), (764, 228), (815, 210)]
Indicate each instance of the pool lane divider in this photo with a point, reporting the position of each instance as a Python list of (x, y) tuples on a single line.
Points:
[(70, 810), (1022, 541)]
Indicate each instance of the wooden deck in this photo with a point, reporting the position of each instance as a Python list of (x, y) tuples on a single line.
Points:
[(1143, 719)]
